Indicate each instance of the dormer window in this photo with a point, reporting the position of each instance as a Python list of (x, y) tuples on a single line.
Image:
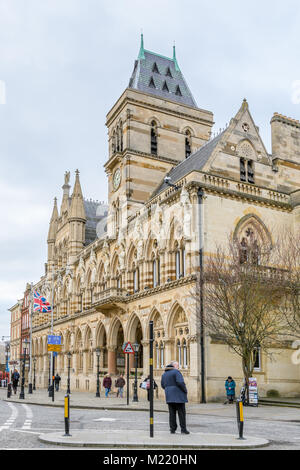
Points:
[(178, 91), (155, 68), (151, 83), (168, 73), (165, 87)]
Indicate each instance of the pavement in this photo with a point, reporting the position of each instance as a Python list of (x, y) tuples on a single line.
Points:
[(92, 438)]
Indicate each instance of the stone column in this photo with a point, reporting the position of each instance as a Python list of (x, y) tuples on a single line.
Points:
[(111, 360), (146, 351)]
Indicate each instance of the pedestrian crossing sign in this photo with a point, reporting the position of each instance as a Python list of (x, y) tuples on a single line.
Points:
[(128, 349)]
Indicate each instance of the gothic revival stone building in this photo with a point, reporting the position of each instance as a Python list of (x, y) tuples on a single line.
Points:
[(114, 268)]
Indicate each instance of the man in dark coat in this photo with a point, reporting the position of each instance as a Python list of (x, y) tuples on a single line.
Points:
[(15, 380), (176, 396)]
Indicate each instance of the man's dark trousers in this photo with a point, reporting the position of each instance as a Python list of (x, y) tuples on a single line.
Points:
[(180, 408)]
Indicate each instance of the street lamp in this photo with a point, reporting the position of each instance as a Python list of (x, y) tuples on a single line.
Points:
[(69, 355), (34, 362), (98, 385), (25, 344), (136, 350)]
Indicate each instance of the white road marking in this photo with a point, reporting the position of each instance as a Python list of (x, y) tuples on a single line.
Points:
[(28, 422), (10, 421)]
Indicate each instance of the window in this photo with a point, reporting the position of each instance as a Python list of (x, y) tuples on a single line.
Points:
[(155, 68), (165, 87), (178, 91), (188, 150), (156, 272), (242, 170), (257, 357), (179, 262), (246, 171), (250, 172), (151, 83), (153, 138), (168, 73)]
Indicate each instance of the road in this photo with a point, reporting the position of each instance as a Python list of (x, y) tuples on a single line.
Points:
[(21, 424)]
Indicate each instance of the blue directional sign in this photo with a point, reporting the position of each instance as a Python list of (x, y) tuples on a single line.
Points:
[(52, 339)]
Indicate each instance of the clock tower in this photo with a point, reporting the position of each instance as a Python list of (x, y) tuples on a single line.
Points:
[(154, 125)]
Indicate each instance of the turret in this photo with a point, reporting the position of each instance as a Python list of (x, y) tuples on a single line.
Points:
[(77, 220)]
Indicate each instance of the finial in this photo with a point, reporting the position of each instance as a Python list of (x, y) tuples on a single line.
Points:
[(142, 51), (174, 58), (245, 104)]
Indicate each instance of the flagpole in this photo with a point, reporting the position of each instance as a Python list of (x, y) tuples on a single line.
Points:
[(51, 354), (30, 339)]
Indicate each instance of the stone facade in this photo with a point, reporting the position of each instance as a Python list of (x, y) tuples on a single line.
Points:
[(144, 261)]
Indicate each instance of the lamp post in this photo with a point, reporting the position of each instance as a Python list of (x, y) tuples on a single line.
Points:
[(25, 343), (69, 355), (136, 350), (98, 384), (34, 362), (7, 349)]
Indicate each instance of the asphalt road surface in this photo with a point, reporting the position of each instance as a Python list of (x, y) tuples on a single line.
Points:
[(21, 424)]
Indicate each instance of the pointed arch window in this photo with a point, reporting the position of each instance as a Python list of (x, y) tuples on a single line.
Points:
[(121, 136), (184, 353), (188, 149), (257, 357), (179, 356), (153, 138), (136, 279), (156, 272), (162, 355)]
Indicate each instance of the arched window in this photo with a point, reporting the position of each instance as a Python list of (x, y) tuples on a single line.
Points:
[(121, 136), (242, 170), (113, 143), (153, 138), (179, 357), (188, 150), (249, 248), (257, 357), (156, 272), (179, 262), (184, 350), (162, 355)]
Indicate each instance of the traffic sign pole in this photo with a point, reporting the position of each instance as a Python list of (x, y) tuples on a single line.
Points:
[(127, 379)]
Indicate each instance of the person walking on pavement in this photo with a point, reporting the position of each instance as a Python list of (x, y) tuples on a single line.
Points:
[(176, 396), (15, 380), (56, 381), (107, 384), (230, 390), (120, 382)]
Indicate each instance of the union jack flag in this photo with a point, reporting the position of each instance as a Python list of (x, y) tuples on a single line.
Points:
[(40, 304)]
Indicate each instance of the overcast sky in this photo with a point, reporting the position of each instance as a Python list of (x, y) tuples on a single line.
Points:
[(64, 63)]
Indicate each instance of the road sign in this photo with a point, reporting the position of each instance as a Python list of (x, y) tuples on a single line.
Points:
[(54, 347), (128, 349), (52, 339)]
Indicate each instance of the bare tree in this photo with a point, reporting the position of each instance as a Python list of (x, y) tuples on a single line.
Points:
[(287, 256), (240, 296)]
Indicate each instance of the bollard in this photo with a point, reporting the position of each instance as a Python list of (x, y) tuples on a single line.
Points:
[(240, 418), (67, 415), (9, 390)]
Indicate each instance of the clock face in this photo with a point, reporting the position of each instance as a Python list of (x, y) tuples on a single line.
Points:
[(117, 178)]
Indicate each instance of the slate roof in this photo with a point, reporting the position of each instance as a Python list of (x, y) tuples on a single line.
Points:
[(144, 72), (95, 212), (195, 162)]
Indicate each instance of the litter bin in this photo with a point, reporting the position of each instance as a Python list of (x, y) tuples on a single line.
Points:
[(9, 390)]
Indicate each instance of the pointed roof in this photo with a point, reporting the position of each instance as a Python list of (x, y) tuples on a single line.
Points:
[(77, 210), (144, 75), (53, 222)]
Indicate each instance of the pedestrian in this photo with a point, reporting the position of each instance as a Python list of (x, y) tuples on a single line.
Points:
[(230, 390), (119, 383), (146, 386), (15, 380), (107, 384), (176, 396), (57, 379)]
